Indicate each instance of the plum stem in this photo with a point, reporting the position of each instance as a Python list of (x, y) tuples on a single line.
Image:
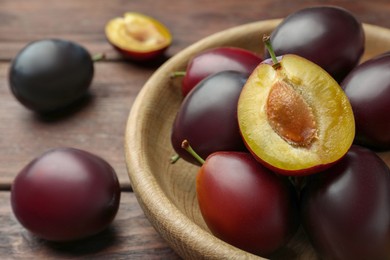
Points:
[(186, 145), (178, 74), (98, 57), (174, 158), (268, 45)]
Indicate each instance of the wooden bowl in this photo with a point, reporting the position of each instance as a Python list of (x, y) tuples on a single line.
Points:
[(166, 192)]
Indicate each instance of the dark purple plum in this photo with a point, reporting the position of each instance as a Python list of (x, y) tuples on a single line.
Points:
[(346, 210), (65, 194), (329, 36), (215, 60), (48, 75), (207, 117), (368, 89)]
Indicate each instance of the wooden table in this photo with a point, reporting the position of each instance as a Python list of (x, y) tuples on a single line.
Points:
[(99, 125)]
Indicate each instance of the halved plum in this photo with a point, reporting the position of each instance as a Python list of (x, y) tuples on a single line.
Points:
[(138, 37), (294, 117)]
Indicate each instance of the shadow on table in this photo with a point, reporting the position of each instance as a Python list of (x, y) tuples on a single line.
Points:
[(91, 245), (67, 111), (150, 64)]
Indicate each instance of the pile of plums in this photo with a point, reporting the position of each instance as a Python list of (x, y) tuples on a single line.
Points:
[(276, 140)]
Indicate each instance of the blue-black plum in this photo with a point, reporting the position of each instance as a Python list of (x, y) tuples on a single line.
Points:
[(48, 75)]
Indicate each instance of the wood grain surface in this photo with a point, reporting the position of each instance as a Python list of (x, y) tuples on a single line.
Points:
[(98, 124), (129, 236)]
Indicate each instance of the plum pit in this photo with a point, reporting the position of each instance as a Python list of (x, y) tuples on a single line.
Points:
[(290, 115)]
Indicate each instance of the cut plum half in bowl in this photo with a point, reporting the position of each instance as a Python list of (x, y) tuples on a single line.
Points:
[(294, 117), (138, 37)]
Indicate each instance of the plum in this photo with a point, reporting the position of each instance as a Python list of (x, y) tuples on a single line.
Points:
[(329, 36), (234, 192), (138, 37), (215, 60), (368, 89), (294, 117), (207, 117), (48, 75), (65, 194), (346, 209)]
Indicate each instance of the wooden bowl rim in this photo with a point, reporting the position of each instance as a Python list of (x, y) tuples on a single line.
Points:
[(180, 232)]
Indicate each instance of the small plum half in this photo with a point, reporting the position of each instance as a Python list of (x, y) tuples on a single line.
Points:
[(294, 117), (138, 37)]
